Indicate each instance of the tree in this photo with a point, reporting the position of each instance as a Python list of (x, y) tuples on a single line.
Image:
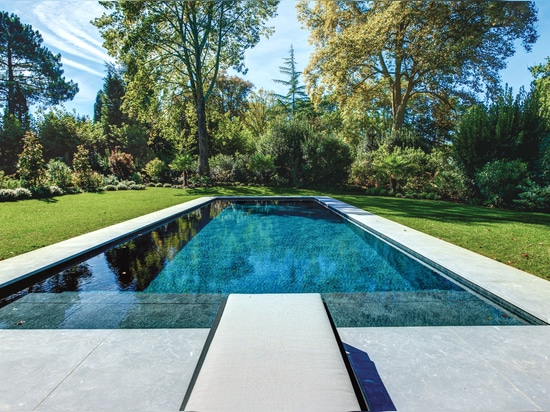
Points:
[(11, 135), (29, 72), (31, 162), (389, 52), (296, 92), (108, 107), (58, 132), (231, 95), (183, 44)]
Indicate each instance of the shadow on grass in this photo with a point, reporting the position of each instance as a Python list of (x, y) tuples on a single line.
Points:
[(48, 200), (443, 211)]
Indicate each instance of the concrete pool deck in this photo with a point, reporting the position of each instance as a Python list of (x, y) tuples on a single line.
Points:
[(478, 368)]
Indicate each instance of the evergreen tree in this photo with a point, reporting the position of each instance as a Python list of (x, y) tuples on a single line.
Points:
[(108, 106), (296, 96), (29, 72)]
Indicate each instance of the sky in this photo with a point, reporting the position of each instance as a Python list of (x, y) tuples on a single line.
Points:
[(66, 29)]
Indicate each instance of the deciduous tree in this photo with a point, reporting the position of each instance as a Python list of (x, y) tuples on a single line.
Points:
[(388, 52), (182, 44)]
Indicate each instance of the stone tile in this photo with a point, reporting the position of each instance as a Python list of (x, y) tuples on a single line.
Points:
[(521, 354), (431, 369), (133, 370), (34, 363)]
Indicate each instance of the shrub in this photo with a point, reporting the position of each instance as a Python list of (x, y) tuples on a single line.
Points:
[(110, 180), (56, 191), (327, 161), (284, 143), (501, 181), (109, 188), (7, 195), (84, 177), (22, 193), (136, 186), (31, 162), (122, 186), (8, 182), (534, 197), (156, 170), (121, 164), (221, 168), (59, 174)]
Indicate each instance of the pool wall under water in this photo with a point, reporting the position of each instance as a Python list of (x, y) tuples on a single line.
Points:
[(177, 275)]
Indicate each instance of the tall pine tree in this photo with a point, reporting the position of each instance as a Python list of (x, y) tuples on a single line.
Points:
[(29, 72), (296, 96)]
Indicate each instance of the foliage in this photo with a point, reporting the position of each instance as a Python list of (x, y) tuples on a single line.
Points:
[(230, 96), (283, 142), (7, 195), (500, 181), (121, 164), (261, 167), (84, 177), (183, 164), (230, 136), (411, 172), (534, 197), (296, 98), (8, 182), (221, 168), (509, 129), (59, 174), (13, 195), (59, 133), (11, 135), (108, 107), (182, 45), (156, 170), (384, 54), (30, 73), (30, 166), (327, 161)]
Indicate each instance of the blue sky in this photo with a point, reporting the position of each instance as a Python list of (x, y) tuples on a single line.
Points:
[(65, 28)]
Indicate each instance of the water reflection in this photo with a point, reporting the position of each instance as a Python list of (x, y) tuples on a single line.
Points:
[(130, 266)]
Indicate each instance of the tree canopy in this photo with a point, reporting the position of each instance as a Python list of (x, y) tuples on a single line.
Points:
[(29, 72), (387, 53), (181, 46)]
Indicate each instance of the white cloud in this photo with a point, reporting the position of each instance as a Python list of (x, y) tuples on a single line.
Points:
[(79, 66), (69, 30)]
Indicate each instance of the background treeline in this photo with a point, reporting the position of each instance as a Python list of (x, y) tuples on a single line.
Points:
[(487, 146)]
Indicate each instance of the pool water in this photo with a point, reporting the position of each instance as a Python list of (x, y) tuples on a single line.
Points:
[(177, 275)]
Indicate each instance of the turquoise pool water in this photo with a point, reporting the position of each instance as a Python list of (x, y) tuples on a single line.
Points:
[(177, 275)]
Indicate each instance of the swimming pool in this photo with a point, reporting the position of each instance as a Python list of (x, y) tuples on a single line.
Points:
[(176, 275)]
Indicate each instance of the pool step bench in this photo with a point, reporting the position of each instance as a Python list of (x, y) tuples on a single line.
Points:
[(275, 352)]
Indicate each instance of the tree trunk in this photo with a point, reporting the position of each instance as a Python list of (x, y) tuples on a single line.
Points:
[(398, 117), (11, 83), (204, 167)]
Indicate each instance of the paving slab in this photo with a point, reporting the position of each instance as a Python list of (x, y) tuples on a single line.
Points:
[(482, 368), (67, 370)]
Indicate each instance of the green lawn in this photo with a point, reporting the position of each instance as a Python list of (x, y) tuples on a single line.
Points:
[(519, 239)]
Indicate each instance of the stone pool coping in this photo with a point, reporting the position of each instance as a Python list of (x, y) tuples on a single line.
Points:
[(523, 290)]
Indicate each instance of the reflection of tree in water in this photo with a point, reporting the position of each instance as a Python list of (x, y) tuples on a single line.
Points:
[(69, 280), (137, 262)]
